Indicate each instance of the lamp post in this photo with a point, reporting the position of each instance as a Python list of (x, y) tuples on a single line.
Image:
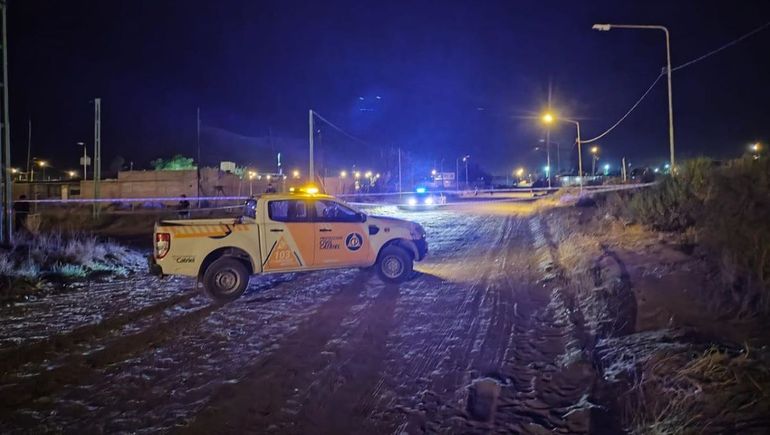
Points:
[(595, 157), (548, 119), (608, 27), (457, 170)]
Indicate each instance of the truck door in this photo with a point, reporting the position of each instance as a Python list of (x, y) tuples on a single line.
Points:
[(341, 238), (288, 236)]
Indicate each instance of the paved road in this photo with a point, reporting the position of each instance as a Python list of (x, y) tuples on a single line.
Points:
[(477, 341)]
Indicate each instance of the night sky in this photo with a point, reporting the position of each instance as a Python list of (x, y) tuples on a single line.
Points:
[(452, 78)]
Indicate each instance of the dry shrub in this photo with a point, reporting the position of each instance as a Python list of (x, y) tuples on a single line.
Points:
[(725, 209)]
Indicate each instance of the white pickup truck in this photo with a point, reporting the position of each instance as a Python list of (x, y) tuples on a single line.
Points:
[(284, 233)]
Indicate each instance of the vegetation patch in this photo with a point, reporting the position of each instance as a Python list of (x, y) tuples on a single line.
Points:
[(721, 207), (55, 258)]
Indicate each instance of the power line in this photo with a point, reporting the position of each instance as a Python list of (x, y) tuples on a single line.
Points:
[(350, 136), (717, 50), (622, 118), (684, 65)]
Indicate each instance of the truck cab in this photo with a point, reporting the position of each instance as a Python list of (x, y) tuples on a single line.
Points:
[(278, 233)]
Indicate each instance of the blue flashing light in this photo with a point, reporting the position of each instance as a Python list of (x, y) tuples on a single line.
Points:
[(420, 190)]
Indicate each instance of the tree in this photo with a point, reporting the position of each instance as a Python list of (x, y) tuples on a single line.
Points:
[(176, 163)]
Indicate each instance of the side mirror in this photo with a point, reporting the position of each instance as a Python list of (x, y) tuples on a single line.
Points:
[(362, 216)]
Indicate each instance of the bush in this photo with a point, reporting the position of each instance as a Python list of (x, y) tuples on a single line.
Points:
[(725, 207), (673, 204)]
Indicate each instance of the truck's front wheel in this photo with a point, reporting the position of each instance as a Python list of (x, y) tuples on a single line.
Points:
[(394, 264), (225, 279)]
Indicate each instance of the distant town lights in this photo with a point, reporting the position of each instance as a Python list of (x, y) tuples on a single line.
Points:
[(343, 174)]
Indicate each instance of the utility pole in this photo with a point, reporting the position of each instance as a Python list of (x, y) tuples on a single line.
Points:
[(198, 162), (548, 155), (624, 169), (198, 138), (399, 170), (7, 220), (310, 140), (97, 152), (29, 146)]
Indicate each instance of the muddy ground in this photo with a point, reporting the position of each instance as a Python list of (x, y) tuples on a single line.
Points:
[(497, 332)]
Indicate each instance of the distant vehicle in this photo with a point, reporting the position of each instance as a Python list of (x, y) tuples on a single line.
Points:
[(284, 233), (422, 199)]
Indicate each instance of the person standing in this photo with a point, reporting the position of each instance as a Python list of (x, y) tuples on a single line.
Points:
[(184, 208)]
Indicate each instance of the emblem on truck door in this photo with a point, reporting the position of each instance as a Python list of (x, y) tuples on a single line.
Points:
[(354, 241)]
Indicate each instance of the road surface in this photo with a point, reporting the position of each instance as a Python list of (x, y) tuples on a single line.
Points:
[(479, 340)]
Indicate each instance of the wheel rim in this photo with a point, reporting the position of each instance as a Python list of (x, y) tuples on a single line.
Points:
[(227, 280), (392, 266)]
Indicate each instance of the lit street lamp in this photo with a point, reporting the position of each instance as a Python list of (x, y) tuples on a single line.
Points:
[(756, 148), (607, 27), (548, 119), (295, 173), (343, 174)]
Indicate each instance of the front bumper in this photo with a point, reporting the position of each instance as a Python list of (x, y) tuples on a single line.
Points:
[(422, 248), (154, 268)]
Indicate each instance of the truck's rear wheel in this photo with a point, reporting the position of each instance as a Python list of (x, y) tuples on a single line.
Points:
[(225, 279), (394, 264)]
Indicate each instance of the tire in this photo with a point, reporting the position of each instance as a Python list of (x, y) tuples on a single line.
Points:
[(225, 279), (394, 264)]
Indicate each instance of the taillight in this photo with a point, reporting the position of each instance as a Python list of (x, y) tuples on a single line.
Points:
[(162, 244)]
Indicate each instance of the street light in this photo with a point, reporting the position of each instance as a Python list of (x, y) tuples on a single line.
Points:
[(72, 174), (343, 174), (548, 119), (295, 173), (607, 27), (595, 157)]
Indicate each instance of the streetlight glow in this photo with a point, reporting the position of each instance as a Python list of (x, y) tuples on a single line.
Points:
[(368, 174), (755, 147), (343, 174), (548, 118), (433, 172), (520, 172), (295, 173), (594, 150)]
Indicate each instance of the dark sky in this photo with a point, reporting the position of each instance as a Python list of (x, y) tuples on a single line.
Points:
[(451, 77)]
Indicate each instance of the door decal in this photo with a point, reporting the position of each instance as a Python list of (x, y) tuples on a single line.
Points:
[(354, 241), (281, 256)]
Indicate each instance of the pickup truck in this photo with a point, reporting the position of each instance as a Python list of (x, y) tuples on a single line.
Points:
[(284, 233)]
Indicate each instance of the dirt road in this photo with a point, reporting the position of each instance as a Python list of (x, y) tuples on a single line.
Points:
[(479, 340)]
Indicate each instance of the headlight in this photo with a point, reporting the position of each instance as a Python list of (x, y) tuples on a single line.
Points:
[(412, 201), (429, 201)]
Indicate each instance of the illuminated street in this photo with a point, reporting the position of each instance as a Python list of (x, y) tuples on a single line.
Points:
[(327, 351)]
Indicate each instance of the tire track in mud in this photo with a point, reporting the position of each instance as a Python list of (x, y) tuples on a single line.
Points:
[(49, 348), (77, 373), (264, 388), (462, 326), (78, 367)]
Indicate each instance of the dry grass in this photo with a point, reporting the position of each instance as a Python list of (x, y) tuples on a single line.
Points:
[(709, 391), (55, 256)]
